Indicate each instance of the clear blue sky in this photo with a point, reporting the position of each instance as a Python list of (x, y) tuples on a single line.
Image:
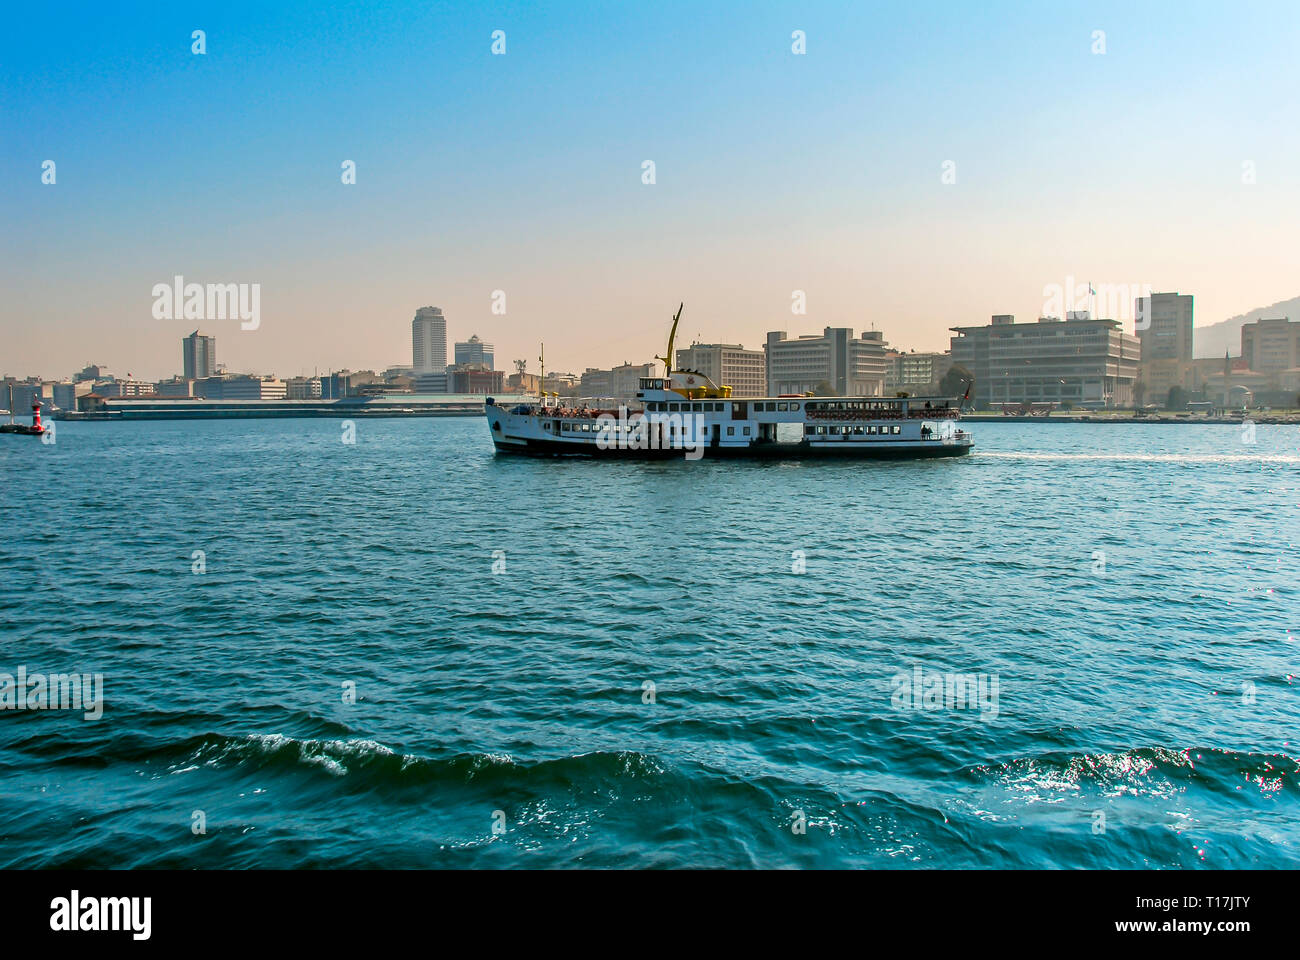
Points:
[(523, 172)]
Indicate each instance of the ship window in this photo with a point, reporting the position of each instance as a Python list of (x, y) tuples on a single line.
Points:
[(747, 431), (859, 430), (794, 406), (821, 429), (898, 429), (731, 431), (871, 429), (782, 406), (674, 406), (810, 429)]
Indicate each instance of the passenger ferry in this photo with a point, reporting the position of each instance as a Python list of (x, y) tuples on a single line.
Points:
[(685, 414)]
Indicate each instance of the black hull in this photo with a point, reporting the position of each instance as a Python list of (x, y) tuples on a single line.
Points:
[(768, 451)]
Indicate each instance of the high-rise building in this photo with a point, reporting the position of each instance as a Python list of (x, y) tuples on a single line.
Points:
[(1164, 328), (730, 364), (1271, 346), (429, 341), (1164, 325), (199, 354), (1079, 360), (849, 366), (473, 352)]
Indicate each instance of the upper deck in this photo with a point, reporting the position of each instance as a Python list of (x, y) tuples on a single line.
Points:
[(671, 395)]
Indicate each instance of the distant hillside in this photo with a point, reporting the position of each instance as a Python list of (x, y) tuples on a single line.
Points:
[(1210, 341)]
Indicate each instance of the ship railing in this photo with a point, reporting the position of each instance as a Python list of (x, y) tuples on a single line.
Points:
[(934, 413)]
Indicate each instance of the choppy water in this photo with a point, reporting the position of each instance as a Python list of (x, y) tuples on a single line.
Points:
[(1155, 684)]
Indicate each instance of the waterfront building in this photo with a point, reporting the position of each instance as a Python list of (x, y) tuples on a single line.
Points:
[(915, 373), (567, 384), (125, 388), (303, 388), (175, 388), (65, 393), (1271, 346), (834, 361), (745, 371), (529, 383), (431, 383), (429, 341), (1081, 361), (1165, 331), (238, 387), (475, 378), (474, 352), (28, 392), (618, 383), (91, 372), (199, 356)]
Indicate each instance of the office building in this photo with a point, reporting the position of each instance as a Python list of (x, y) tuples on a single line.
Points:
[(474, 352), (833, 362), (1079, 360), (240, 387), (1164, 329), (475, 378), (729, 364), (915, 373), (199, 355), (1271, 346), (429, 341)]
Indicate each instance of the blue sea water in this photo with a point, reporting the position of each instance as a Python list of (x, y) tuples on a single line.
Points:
[(564, 663)]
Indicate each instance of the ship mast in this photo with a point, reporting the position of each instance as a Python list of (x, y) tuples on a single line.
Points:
[(672, 336)]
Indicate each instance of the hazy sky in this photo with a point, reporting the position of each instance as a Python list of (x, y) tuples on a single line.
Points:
[(774, 171)]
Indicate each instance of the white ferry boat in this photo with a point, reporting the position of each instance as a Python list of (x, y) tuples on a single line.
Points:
[(685, 414)]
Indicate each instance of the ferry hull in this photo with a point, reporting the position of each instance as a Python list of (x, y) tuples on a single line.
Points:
[(906, 450)]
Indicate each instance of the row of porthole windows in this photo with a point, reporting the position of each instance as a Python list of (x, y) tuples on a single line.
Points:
[(811, 430), (686, 407)]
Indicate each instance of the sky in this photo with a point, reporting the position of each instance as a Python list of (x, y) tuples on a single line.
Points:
[(1170, 159)]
